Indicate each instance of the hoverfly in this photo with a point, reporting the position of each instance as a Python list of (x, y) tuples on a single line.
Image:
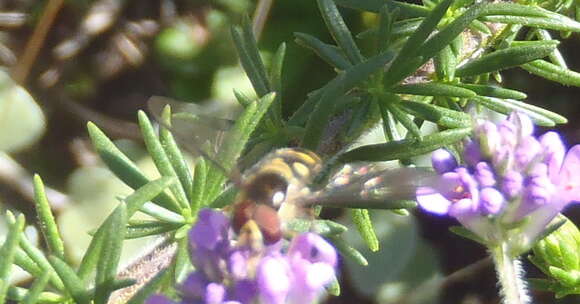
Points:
[(278, 188)]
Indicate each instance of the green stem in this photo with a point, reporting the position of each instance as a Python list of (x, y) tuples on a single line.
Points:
[(510, 275)]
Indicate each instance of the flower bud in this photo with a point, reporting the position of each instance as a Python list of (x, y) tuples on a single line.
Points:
[(443, 161), (558, 256)]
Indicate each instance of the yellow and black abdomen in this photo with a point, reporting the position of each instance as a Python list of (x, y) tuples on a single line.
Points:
[(271, 186)]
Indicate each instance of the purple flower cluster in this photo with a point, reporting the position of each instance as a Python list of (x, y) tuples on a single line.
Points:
[(512, 186), (237, 272)]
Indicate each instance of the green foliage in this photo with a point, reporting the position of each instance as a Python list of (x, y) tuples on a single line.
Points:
[(558, 256), (417, 68)]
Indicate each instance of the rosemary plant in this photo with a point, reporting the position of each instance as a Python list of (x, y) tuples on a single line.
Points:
[(428, 76)]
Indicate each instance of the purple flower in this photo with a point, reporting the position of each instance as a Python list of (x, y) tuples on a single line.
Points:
[(194, 286), (492, 201), (512, 184), (158, 299), (313, 248), (510, 176), (461, 196), (209, 239), (443, 161), (567, 177), (484, 174), (231, 271), (274, 279)]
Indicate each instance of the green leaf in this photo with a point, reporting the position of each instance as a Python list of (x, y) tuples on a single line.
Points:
[(301, 115), (242, 99), (22, 260), (556, 57), (182, 259), (198, 189), (449, 33), (123, 167), (327, 227), (334, 288), (362, 117), (385, 31), (362, 221), (478, 26), (37, 256), (404, 119), (558, 254), (329, 53), (493, 91), (348, 251), (514, 9), (8, 252), (247, 49), (445, 63), (36, 289), (433, 89), (551, 22), (47, 223), (540, 116), (506, 58), (226, 198), (148, 228), (160, 158), (401, 29), (335, 89), (389, 123), (407, 9), (162, 214), (91, 257), (339, 30), (275, 76), (146, 193), (110, 255), (553, 72), (176, 159), (17, 294), (564, 277), (405, 148), (441, 116), (409, 53), (75, 286), (240, 134)]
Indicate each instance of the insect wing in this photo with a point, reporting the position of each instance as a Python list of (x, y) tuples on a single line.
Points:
[(370, 187), (195, 127), (197, 131)]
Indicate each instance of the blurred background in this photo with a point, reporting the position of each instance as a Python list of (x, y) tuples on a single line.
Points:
[(67, 62)]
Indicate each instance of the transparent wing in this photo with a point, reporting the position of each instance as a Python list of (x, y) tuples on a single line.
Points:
[(197, 127), (368, 186), (200, 130)]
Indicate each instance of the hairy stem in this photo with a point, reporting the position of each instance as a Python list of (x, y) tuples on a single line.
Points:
[(510, 275)]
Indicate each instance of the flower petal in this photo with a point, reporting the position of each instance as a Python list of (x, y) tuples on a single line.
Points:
[(313, 248), (273, 280), (215, 293), (432, 201), (443, 161), (554, 152), (492, 201), (158, 299), (568, 180)]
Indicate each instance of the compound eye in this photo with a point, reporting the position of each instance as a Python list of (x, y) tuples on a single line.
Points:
[(269, 189)]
